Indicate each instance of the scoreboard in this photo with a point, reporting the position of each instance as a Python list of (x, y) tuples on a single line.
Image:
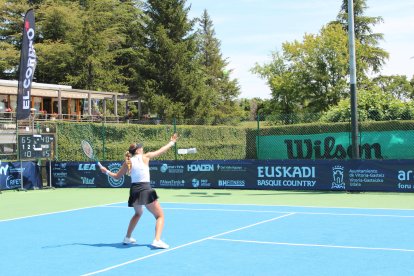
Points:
[(36, 146)]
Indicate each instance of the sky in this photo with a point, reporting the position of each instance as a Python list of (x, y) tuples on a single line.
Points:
[(250, 30)]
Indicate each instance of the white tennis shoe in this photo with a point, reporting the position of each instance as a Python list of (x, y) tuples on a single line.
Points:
[(160, 244), (129, 240)]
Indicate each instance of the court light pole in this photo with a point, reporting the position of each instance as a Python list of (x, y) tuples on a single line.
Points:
[(352, 72)]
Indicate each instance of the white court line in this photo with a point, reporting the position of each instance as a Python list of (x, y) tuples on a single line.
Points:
[(360, 215), (184, 245), (317, 245), (275, 212), (285, 212), (188, 203), (276, 205), (58, 212)]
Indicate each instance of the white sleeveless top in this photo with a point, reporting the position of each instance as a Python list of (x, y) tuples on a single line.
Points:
[(139, 170)]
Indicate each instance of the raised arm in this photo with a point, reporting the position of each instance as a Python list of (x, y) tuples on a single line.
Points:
[(163, 149), (123, 170)]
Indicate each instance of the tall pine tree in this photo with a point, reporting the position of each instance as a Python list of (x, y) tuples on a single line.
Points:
[(131, 56), (58, 30), (96, 50), (11, 25), (222, 90), (374, 56), (173, 79)]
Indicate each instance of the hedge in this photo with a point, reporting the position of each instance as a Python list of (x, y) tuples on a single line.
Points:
[(110, 141)]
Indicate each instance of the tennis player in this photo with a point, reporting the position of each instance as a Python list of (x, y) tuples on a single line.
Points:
[(141, 193)]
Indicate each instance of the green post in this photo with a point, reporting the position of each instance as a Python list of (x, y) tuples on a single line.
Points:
[(353, 81), (17, 139), (56, 155), (103, 141), (175, 146), (258, 138)]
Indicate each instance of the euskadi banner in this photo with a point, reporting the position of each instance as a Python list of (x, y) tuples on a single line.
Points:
[(27, 67), (309, 175)]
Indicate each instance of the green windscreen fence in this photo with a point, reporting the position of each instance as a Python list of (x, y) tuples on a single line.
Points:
[(396, 144)]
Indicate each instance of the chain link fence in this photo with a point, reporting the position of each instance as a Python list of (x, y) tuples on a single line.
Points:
[(381, 135), (292, 136)]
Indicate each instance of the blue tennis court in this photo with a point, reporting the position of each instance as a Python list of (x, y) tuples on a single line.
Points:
[(212, 239)]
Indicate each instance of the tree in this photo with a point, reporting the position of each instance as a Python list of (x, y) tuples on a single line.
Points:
[(8, 60), (88, 44), (255, 107), (279, 78), (131, 55), (96, 48), (371, 54), (58, 31), (308, 76), (398, 86), (373, 104), (11, 26), (174, 81), (221, 90)]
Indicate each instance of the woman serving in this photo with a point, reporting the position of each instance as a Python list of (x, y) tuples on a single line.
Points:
[(141, 193)]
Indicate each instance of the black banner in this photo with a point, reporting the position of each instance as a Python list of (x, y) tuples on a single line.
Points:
[(27, 67), (323, 175), (11, 178)]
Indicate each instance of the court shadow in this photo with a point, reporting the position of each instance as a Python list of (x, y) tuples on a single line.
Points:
[(297, 192), (155, 248), (118, 245), (197, 195), (203, 194)]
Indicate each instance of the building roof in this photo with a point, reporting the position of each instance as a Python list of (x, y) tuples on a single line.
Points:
[(52, 90)]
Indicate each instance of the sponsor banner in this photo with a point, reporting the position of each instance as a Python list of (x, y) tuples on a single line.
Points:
[(386, 175), (328, 175), (201, 174), (27, 66), (373, 145), (86, 175), (10, 175)]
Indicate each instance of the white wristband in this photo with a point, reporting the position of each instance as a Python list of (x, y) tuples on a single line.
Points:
[(107, 173), (171, 143)]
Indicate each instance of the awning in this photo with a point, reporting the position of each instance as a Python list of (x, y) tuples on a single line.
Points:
[(10, 88)]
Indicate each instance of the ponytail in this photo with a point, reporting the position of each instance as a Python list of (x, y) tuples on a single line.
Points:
[(128, 156)]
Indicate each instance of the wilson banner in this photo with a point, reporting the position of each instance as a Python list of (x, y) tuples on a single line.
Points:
[(27, 67), (373, 145)]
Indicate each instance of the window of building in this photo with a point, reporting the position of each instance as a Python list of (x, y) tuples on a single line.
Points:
[(37, 104), (13, 102), (3, 103)]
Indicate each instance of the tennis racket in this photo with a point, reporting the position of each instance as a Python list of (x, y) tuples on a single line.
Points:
[(88, 150)]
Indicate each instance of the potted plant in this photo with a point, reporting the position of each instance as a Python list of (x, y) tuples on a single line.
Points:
[(8, 112), (42, 114)]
